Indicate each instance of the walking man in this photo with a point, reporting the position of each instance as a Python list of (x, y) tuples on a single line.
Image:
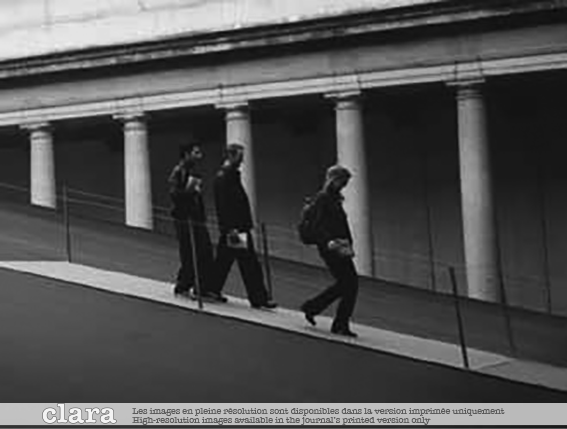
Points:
[(334, 243), (235, 223), (188, 212)]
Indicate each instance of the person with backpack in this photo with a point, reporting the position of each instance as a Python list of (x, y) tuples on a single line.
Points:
[(324, 223)]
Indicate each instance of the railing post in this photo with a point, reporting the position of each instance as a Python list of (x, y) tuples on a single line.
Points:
[(544, 233), (195, 264), (459, 318), (503, 296), (428, 220), (505, 310), (266, 255), (67, 223)]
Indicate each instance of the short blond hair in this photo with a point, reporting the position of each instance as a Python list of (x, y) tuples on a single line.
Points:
[(338, 171)]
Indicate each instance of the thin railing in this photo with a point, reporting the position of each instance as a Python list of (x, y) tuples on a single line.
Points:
[(67, 221), (460, 325), (284, 239), (195, 261), (267, 266)]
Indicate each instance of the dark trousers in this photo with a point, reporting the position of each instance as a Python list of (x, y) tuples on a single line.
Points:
[(345, 288), (249, 267), (204, 251)]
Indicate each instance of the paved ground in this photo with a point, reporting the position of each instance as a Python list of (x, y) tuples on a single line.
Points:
[(66, 343)]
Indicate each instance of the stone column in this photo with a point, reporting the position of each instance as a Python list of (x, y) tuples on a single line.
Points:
[(351, 153), (478, 211), (137, 175), (239, 130), (42, 165)]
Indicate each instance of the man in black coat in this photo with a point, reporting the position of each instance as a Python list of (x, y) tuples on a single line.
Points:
[(235, 223), (190, 220), (334, 243)]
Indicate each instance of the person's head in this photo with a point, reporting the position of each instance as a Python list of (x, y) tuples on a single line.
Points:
[(190, 153), (337, 177), (234, 154)]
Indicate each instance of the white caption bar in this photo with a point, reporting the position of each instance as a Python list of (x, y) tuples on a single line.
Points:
[(144, 414)]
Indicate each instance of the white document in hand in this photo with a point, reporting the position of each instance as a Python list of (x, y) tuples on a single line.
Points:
[(238, 241)]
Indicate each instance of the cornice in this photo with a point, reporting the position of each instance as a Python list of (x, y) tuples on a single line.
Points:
[(225, 97), (346, 26)]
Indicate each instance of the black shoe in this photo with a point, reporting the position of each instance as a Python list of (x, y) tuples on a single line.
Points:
[(204, 295), (267, 305), (309, 315), (344, 331), (216, 297), (185, 293)]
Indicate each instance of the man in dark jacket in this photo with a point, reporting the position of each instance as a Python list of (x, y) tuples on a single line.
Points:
[(235, 223), (188, 212), (334, 242)]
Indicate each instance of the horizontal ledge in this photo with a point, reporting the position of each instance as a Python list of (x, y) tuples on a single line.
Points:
[(219, 96), (317, 28)]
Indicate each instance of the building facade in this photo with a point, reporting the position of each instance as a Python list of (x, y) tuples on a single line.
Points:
[(448, 113)]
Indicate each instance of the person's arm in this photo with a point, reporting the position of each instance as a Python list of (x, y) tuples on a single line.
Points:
[(223, 201), (174, 181), (321, 221), (193, 184), (177, 189), (327, 236)]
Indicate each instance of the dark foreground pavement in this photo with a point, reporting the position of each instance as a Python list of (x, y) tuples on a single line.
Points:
[(68, 343)]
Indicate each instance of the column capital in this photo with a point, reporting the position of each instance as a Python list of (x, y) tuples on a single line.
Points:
[(133, 116), (467, 88), (132, 121), (235, 111), (229, 106), (345, 99), (36, 126), (353, 94), (468, 81)]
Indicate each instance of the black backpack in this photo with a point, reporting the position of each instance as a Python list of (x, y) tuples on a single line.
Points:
[(306, 228)]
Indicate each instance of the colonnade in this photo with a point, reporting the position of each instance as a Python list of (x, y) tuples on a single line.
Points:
[(478, 213)]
